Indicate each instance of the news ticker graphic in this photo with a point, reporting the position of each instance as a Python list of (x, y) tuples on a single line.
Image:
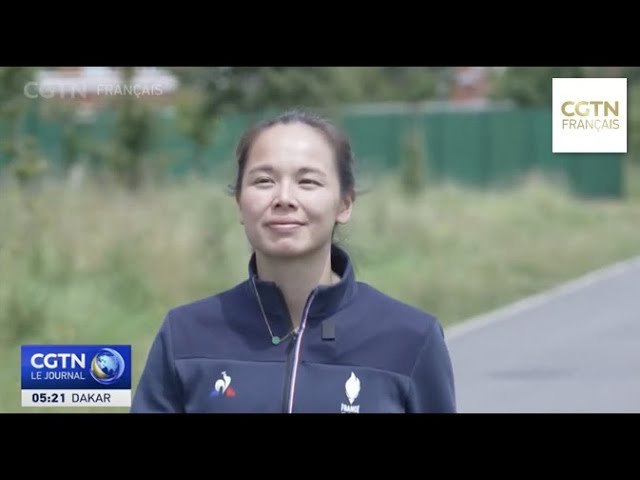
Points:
[(76, 375)]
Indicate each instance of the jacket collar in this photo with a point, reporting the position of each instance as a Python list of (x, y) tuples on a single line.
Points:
[(328, 299)]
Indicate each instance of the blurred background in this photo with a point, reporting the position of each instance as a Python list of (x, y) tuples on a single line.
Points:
[(114, 204)]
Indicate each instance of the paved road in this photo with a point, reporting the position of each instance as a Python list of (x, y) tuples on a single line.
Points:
[(573, 349)]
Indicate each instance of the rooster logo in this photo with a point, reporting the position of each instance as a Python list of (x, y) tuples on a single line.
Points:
[(352, 388), (222, 387)]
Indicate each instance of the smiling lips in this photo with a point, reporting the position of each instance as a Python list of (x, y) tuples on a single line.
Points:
[(284, 225)]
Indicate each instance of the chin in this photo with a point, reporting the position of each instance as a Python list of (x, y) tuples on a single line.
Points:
[(287, 250), (284, 251)]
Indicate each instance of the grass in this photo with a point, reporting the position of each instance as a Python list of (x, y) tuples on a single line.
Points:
[(94, 264)]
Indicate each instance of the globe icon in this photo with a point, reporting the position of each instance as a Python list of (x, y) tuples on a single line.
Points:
[(107, 366)]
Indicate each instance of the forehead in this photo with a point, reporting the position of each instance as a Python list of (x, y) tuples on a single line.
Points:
[(295, 144)]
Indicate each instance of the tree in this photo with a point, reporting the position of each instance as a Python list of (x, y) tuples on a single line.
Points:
[(530, 86), (206, 93), (131, 136), (20, 148)]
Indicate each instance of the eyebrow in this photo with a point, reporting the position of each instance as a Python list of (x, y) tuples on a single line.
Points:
[(262, 168), (305, 170), (270, 169)]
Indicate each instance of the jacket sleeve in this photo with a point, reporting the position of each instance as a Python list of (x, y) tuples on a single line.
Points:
[(158, 390), (432, 386)]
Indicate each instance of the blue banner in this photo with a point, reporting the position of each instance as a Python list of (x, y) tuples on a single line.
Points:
[(76, 367)]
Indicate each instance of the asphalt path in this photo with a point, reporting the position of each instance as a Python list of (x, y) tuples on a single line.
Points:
[(573, 349)]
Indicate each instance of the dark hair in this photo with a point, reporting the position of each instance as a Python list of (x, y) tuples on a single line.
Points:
[(337, 139)]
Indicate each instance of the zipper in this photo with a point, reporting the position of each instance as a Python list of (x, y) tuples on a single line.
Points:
[(294, 358), (288, 370), (290, 351)]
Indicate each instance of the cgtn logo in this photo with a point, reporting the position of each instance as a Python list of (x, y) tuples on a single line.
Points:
[(589, 115), (76, 375)]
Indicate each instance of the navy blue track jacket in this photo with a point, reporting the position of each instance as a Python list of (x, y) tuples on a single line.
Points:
[(356, 350)]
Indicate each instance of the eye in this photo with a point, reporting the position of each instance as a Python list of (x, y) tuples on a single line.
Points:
[(262, 181), (309, 181)]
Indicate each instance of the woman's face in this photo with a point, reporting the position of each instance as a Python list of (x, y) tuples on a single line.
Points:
[(290, 196)]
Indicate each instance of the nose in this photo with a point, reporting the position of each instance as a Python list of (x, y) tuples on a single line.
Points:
[(284, 196)]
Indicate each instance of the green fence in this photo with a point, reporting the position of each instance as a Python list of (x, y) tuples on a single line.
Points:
[(482, 148)]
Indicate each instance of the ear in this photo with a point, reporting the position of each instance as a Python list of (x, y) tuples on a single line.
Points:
[(344, 212)]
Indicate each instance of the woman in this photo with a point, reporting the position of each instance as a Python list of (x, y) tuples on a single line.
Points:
[(300, 334)]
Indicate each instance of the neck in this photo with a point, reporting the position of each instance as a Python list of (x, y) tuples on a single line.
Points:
[(297, 277)]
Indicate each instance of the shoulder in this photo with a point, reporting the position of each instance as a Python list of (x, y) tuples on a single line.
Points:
[(194, 327), (207, 308), (390, 334), (396, 313)]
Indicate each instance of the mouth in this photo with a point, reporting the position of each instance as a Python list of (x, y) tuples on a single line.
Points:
[(284, 226)]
